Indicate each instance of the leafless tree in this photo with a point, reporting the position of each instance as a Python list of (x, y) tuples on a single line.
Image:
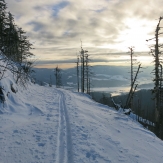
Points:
[(156, 51)]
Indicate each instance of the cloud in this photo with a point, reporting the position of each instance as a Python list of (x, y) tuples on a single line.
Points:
[(56, 27)]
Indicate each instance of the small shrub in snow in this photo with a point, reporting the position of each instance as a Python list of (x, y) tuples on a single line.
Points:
[(2, 97), (13, 89)]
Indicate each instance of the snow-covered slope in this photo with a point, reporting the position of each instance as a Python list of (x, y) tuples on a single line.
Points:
[(49, 125)]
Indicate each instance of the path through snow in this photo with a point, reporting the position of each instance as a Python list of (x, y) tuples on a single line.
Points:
[(64, 152), (32, 137), (48, 125)]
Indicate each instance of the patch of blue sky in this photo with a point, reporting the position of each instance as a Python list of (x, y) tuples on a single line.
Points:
[(56, 8), (17, 17), (37, 26), (67, 33), (18, 0), (100, 10)]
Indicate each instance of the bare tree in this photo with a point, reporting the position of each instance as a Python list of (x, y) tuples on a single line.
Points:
[(22, 72), (88, 73), (82, 58), (156, 51), (131, 55), (132, 89), (85, 70), (77, 71), (50, 81)]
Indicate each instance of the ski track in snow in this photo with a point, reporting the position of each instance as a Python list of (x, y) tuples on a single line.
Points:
[(64, 142), (60, 126)]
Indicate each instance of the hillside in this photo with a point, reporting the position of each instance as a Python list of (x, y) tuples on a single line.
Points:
[(104, 76), (44, 124)]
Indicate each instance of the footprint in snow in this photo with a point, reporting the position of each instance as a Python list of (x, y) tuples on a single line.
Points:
[(15, 131), (91, 155), (41, 144), (84, 136)]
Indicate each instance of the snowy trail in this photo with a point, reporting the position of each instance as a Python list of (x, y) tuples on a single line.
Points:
[(48, 125), (64, 141), (102, 135), (31, 137), (43, 124)]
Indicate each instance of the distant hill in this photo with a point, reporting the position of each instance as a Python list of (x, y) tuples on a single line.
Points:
[(104, 76)]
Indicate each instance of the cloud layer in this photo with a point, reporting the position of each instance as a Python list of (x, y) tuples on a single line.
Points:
[(55, 27)]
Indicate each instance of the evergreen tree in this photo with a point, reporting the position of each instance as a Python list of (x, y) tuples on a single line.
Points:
[(58, 76), (14, 46)]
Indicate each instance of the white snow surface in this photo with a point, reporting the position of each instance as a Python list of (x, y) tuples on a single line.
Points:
[(43, 124)]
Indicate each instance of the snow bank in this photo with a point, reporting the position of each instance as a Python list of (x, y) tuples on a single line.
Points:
[(44, 124), (101, 134)]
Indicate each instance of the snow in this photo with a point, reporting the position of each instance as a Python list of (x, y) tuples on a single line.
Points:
[(70, 83), (69, 77), (44, 124)]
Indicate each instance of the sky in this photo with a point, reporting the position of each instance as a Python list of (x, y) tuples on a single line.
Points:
[(106, 27)]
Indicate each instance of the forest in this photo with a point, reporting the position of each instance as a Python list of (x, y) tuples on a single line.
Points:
[(14, 48)]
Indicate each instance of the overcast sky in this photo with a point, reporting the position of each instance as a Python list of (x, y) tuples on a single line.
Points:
[(55, 27)]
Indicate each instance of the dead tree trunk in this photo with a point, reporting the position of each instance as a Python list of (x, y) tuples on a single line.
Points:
[(77, 69), (156, 52), (132, 89)]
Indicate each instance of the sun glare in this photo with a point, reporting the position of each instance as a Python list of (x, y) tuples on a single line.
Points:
[(136, 33)]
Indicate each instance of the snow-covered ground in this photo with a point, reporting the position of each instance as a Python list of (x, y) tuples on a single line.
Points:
[(47, 125)]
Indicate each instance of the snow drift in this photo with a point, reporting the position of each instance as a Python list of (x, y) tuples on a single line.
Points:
[(43, 124)]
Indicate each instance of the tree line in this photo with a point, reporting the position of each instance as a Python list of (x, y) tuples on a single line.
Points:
[(14, 47)]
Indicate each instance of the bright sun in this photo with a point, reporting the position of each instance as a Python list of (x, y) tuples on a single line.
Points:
[(136, 33)]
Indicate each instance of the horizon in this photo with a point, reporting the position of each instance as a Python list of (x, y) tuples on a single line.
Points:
[(111, 59)]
